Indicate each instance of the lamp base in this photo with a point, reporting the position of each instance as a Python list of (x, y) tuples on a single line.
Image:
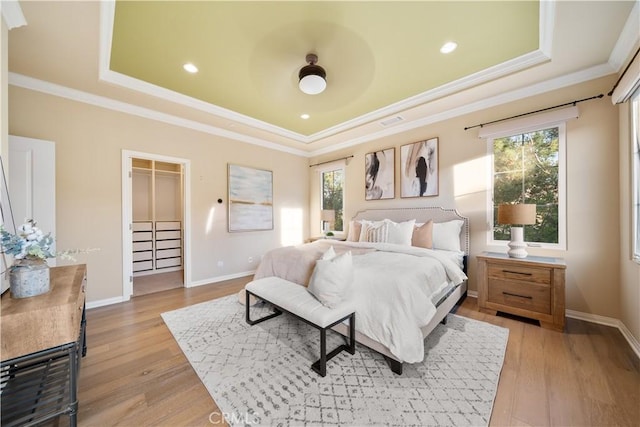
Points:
[(517, 246)]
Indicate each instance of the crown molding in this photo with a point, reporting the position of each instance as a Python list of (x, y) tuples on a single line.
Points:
[(26, 82), (12, 14), (503, 98), (508, 67), (31, 83), (547, 24), (628, 39)]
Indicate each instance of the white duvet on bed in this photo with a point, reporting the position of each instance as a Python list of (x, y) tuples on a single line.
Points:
[(392, 290)]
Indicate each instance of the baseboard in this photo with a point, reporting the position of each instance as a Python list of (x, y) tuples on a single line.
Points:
[(103, 302), (117, 300), (220, 278), (594, 318)]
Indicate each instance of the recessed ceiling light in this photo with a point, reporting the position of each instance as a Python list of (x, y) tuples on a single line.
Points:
[(448, 47), (189, 67), (304, 116)]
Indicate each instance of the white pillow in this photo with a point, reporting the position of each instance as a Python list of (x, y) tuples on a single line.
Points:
[(400, 232), (375, 232), (329, 254), (446, 235), (331, 279)]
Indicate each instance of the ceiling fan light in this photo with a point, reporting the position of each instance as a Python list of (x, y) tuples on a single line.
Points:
[(312, 84), (312, 77)]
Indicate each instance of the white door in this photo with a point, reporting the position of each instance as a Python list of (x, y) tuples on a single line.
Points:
[(31, 179)]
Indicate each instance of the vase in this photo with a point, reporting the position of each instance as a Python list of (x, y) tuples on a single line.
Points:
[(29, 277)]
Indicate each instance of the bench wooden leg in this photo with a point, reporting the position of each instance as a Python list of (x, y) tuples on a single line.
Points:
[(262, 319)]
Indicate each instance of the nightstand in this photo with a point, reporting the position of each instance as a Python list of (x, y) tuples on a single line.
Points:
[(531, 287)]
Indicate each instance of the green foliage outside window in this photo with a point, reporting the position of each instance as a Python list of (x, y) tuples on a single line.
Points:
[(332, 191), (526, 171)]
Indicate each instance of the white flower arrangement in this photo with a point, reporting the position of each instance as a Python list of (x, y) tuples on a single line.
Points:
[(30, 242)]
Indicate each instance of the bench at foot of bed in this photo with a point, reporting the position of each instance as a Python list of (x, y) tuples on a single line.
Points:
[(294, 299)]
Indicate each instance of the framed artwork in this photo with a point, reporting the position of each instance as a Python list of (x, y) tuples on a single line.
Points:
[(419, 174), (379, 174), (250, 199)]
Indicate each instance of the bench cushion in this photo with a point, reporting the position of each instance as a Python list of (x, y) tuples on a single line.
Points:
[(297, 300)]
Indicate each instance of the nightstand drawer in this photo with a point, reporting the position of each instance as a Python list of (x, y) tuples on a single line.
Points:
[(528, 296), (520, 273)]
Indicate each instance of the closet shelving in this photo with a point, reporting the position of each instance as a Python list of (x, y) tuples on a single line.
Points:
[(157, 213)]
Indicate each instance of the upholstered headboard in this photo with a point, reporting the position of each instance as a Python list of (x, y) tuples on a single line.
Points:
[(437, 214)]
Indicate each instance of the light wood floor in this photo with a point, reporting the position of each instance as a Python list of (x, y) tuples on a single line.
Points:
[(136, 375), (144, 285)]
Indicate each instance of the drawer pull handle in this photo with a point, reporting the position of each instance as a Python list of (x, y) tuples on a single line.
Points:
[(516, 295), (516, 272)]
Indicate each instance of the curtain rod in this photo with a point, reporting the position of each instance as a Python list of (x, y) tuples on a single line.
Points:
[(331, 161), (533, 112), (623, 73)]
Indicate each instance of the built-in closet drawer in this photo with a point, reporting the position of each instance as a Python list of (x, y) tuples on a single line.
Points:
[(168, 262), (166, 235), (168, 253), (142, 266), (142, 236), (142, 226), (142, 246), (143, 256), (167, 225)]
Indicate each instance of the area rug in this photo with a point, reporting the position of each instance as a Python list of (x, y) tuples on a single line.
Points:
[(261, 375)]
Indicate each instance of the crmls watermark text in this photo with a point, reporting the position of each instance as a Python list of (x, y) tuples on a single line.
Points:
[(233, 419)]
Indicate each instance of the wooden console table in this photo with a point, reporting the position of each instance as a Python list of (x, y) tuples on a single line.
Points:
[(42, 341)]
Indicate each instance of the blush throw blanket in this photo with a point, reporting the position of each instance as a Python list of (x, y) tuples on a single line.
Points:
[(392, 287)]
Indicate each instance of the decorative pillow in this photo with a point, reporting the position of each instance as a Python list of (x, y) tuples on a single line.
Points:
[(423, 235), (400, 232), (355, 227), (331, 279), (329, 254), (374, 232), (446, 235)]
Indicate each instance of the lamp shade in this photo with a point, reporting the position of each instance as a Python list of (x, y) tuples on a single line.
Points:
[(520, 214), (328, 215)]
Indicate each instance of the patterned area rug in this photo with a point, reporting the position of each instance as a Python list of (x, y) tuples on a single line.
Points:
[(261, 375)]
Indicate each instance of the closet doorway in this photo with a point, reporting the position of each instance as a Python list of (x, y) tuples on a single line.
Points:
[(157, 229)]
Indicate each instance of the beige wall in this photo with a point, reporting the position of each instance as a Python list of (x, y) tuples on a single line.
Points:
[(89, 143), (629, 270), (593, 253)]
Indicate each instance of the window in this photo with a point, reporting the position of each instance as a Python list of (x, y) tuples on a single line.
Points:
[(528, 167), (332, 195), (635, 173)]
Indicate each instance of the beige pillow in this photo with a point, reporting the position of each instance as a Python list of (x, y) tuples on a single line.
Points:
[(354, 231), (423, 235)]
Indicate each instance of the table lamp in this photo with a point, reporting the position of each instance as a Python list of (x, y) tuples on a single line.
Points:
[(516, 216), (327, 216)]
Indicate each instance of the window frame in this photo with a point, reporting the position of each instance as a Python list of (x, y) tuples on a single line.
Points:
[(332, 168), (634, 147), (562, 186)]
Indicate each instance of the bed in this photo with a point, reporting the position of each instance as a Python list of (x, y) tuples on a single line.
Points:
[(402, 291)]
